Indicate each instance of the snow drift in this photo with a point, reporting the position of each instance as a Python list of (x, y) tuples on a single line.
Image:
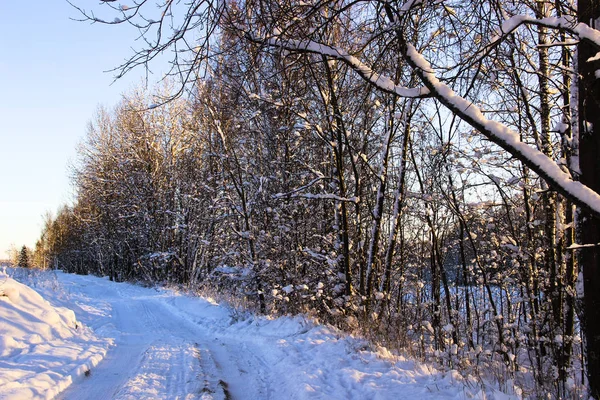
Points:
[(167, 344), (42, 347)]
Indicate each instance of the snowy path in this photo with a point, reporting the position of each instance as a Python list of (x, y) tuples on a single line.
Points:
[(166, 345), (160, 353)]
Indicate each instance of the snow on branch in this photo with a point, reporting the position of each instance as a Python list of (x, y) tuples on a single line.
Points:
[(329, 196), (575, 246), (320, 196), (410, 4), (498, 133), (300, 189), (503, 136), (308, 46), (566, 23)]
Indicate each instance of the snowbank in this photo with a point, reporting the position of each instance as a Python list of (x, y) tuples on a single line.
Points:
[(42, 347), (312, 361), (168, 345)]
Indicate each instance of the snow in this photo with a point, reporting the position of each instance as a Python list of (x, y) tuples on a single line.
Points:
[(288, 289), (163, 344), (42, 347), (409, 4), (321, 196), (505, 137), (381, 81), (566, 22), (466, 110)]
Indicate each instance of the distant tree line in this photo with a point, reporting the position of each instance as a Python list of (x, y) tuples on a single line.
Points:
[(295, 178)]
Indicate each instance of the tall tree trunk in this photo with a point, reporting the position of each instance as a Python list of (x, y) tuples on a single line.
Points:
[(377, 217), (338, 129), (549, 198), (589, 162), (568, 262), (397, 213)]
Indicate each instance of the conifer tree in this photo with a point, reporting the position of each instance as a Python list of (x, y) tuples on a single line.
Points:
[(24, 257)]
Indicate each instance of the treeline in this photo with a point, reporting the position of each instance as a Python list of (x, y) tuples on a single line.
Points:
[(23, 257), (286, 180)]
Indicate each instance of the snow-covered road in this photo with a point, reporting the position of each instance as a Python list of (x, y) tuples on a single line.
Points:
[(162, 344), (160, 353)]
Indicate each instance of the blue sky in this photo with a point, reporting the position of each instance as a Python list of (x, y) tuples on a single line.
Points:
[(51, 83)]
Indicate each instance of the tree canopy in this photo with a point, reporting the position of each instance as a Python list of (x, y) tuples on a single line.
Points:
[(409, 169)]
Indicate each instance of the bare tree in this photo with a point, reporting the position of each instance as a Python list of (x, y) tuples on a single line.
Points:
[(494, 69)]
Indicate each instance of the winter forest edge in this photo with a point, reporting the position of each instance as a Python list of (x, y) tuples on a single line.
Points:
[(424, 173)]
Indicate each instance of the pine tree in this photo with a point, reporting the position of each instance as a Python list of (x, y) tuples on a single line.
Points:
[(24, 257)]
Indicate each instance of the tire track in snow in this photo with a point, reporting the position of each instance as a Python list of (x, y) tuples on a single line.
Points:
[(168, 367), (213, 388), (253, 369), (150, 359), (167, 371), (161, 354), (245, 375)]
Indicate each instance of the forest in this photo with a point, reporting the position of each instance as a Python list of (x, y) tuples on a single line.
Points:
[(422, 173)]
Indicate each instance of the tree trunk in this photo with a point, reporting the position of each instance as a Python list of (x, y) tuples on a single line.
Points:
[(377, 218), (589, 162)]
